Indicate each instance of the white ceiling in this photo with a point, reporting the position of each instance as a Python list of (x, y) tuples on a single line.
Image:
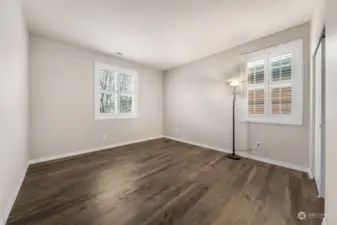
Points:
[(163, 33)]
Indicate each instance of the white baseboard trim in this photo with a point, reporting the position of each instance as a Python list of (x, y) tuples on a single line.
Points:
[(310, 174), (246, 155), (13, 197), (198, 144), (277, 163), (49, 158)]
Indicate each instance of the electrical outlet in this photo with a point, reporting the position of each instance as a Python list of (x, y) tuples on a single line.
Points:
[(104, 136), (257, 146)]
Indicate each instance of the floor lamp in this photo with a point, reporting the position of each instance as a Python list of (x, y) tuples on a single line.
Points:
[(234, 84)]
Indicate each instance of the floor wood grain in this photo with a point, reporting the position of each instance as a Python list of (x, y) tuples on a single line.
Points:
[(163, 182)]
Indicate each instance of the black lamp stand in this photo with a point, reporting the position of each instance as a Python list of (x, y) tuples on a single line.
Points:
[(233, 155)]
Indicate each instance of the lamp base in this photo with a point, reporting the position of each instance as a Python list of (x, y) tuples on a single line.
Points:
[(234, 156)]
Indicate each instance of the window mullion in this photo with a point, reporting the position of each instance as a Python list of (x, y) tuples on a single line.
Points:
[(117, 94), (256, 86), (267, 87), (279, 101), (254, 102), (254, 74)]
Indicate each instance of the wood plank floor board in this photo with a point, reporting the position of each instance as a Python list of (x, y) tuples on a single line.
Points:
[(163, 182)]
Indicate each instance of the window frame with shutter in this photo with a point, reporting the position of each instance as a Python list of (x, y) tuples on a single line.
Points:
[(285, 105), (129, 94)]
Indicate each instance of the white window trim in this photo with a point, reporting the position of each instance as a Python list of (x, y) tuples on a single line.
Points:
[(296, 48), (104, 116)]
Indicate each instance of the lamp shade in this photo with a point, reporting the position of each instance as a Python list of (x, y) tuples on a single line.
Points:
[(235, 83)]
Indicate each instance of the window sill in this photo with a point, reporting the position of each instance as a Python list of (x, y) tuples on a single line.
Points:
[(265, 121), (120, 117)]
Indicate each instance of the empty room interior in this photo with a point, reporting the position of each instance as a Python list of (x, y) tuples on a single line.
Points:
[(153, 112)]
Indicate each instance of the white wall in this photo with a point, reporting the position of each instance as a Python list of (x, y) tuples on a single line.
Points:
[(62, 101), (198, 104), (13, 101), (317, 24), (331, 112), (325, 13)]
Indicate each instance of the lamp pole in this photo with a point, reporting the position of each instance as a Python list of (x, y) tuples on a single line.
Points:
[(233, 155)]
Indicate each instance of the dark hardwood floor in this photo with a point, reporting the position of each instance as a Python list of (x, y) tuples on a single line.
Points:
[(163, 182)]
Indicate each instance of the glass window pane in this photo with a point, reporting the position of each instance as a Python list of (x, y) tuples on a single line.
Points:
[(107, 102), (126, 83), (125, 104), (107, 80)]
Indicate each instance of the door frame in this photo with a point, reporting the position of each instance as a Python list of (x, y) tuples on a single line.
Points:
[(321, 189)]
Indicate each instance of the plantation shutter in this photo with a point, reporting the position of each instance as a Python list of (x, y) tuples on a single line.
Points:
[(275, 84), (281, 84), (256, 79)]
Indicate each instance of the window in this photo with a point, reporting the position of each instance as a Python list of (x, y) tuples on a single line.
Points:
[(115, 92), (275, 84)]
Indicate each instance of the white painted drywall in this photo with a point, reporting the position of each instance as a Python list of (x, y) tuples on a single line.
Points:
[(331, 113), (162, 33), (62, 101), (13, 101), (317, 24), (325, 13), (198, 104)]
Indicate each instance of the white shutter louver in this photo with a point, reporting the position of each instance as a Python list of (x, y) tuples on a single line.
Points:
[(281, 67), (281, 84), (256, 101), (256, 72), (281, 101), (256, 76)]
